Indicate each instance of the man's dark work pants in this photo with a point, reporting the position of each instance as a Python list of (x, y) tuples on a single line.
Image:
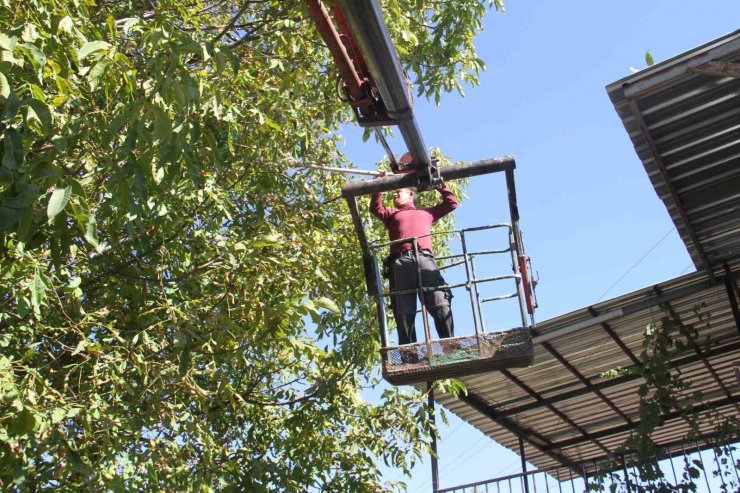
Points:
[(404, 276)]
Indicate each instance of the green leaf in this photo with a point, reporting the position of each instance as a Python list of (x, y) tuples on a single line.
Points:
[(25, 223), (328, 304), (162, 125), (91, 47), (267, 240), (8, 43), (73, 412), (37, 57), (30, 34), (25, 196), (13, 149), (220, 63), (93, 77), (24, 423), (649, 59), (4, 86), (65, 25), (11, 106), (114, 126), (38, 292), (270, 123), (37, 92), (41, 113), (8, 218), (91, 230), (233, 59), (57, 202), (58, 415)]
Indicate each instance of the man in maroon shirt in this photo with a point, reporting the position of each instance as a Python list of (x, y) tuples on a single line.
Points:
[(405, 220)]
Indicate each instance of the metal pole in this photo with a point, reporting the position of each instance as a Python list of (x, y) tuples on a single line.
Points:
[(370, 267), (719, 469), (524, 464), (626, 474), (517, 238), (703, 467), (518, 278), (477, 296), (348, 171), (394, 182), (585, 476), (731, 288), (470, 283), (424, 313), (388, 151), (380, 305), (433, 434), (673, 468)]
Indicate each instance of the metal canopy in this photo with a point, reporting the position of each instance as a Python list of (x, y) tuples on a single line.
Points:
[(683, 117), (563, 406)]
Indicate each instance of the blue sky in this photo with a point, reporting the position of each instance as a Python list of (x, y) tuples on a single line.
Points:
[(588, 210)]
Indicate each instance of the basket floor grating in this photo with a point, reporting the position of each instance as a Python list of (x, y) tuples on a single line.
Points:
[(457, 356)]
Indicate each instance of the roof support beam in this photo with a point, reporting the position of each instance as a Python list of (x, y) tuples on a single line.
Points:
[(668, 181), (625, 428), (585, 381), (530, 436), (552, 408), (657, 79), (650, 302), (613, 382), (733, 294), (721, 69), (607, 328), (695, 347)]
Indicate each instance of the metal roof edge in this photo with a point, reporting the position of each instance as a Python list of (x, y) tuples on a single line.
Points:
[(621, 305), (670, 63)]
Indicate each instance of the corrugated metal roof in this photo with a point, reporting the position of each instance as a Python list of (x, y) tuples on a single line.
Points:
[(565, 407), (683, 116)]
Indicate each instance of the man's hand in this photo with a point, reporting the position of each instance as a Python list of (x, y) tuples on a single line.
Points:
[(381, 174)]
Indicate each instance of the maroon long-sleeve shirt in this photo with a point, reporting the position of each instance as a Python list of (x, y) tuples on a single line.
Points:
[(408, 221)]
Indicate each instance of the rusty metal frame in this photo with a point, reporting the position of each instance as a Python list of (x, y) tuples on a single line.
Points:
[(530, 436), (733, 294), (607, 328), (551, 407), (697, 350), (329, 33), (585, 381), (668, 181), (613, 382), (703, 63), (734, 400), (505, 417)]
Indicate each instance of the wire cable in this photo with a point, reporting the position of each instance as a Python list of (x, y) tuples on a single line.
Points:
[(636, 263), (425, 484), (686, 269)]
